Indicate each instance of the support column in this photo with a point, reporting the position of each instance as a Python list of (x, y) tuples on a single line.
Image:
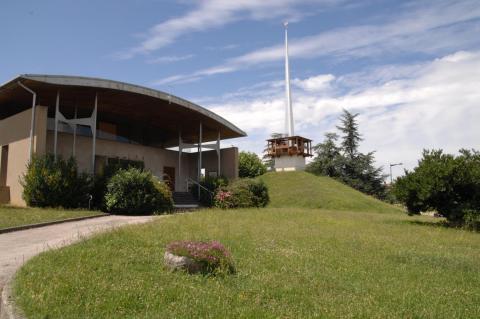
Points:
[(32, 124), (180, 156), (199, 157), (57, 112), (218, 154), (94, 132), (74, 133)]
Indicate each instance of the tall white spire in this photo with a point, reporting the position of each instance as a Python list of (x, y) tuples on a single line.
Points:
[(288, 105)]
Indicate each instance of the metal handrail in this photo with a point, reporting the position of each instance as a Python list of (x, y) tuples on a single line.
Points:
[(191, 181)]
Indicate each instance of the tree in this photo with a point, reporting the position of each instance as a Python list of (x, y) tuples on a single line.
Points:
[(328, 157), (351, 137), (446, 183), (345, 162), (250, 165)]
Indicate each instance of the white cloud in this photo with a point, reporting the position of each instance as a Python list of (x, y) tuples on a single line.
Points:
[(170, 59), (432, 26), (315, 83), (432, 105), (210, 14)]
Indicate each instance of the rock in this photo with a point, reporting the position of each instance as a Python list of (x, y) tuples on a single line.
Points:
[(175, 262)]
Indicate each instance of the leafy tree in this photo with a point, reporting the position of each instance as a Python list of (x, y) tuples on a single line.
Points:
[(446, 183), (345, 162), (250, 165)]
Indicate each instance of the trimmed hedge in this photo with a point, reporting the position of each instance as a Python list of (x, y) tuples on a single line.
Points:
[(243, 193), (137, 192), (55, 183)]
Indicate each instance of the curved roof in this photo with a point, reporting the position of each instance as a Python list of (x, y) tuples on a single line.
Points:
[(119, 98)]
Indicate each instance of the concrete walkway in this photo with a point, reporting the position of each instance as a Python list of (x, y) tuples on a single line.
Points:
[(17, 247)]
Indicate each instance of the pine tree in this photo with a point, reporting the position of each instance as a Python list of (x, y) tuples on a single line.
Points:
[(345, 162), (328, 157), (351, 137)]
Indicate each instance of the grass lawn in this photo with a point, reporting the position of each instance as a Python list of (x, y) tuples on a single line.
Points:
[(291, 263), (16, 216)]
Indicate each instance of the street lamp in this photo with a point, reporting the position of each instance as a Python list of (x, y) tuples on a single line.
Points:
[(391, 177)]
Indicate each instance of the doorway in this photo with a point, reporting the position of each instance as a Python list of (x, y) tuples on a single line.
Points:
[(3, 166), (169, 177)]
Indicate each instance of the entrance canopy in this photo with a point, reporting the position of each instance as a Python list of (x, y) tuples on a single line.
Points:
[(138, 113)]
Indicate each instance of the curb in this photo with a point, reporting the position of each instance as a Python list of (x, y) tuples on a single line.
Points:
[(61, 221)]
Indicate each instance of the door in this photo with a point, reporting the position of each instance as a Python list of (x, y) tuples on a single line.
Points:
[(169, 177)]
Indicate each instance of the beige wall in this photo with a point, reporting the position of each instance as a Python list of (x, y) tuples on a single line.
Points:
[(154, 158), (15, 132), (228, 162)]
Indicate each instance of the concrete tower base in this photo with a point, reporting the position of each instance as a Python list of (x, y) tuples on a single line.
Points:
[(289, 163)]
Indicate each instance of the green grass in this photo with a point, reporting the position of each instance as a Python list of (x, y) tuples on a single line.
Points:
[(301, 189), (16, 216), (291, 262)]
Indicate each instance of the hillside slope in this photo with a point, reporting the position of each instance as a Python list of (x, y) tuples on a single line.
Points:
[(301, 189)]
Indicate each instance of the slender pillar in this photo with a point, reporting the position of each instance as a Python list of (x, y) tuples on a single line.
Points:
[(288, 109), (74, 132), (200, 156), (94, 132), (32, 124), (57, 112), (180, 156), (218, 154)]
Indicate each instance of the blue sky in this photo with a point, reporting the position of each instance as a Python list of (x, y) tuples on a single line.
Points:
[(410, 68)]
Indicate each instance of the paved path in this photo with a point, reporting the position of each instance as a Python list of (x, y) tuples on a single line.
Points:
[(17, 247)]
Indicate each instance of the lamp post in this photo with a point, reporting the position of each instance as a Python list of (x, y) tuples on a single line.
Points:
[(392, 165)]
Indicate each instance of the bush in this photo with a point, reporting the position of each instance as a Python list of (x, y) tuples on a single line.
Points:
[(445, 183), (212, 256), (55, 183), (250, 165), (243, 193), (101, 180), (471, 219), (212, 184), (136, 192)]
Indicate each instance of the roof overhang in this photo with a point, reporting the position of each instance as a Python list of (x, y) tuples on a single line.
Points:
[(159, 112)]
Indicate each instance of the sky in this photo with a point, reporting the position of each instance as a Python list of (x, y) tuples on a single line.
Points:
[(411, 69)]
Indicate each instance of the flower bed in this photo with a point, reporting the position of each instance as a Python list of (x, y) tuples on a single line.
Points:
[(204, 257)]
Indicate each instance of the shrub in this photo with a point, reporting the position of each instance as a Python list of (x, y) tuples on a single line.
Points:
[(207, 198), (446, 183), (471, 219), (100, 181), (250, 165), (136, 192), (243, 193), (55, 183), (212, 256)]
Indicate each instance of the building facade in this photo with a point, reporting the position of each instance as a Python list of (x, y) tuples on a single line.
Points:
[(98, 121)]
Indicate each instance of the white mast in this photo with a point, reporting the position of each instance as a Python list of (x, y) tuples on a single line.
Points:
[(288, 106)]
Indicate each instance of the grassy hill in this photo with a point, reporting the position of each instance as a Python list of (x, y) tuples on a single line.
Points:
[(301, 189)]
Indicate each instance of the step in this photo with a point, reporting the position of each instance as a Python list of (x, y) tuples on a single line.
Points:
[(184, 200)]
